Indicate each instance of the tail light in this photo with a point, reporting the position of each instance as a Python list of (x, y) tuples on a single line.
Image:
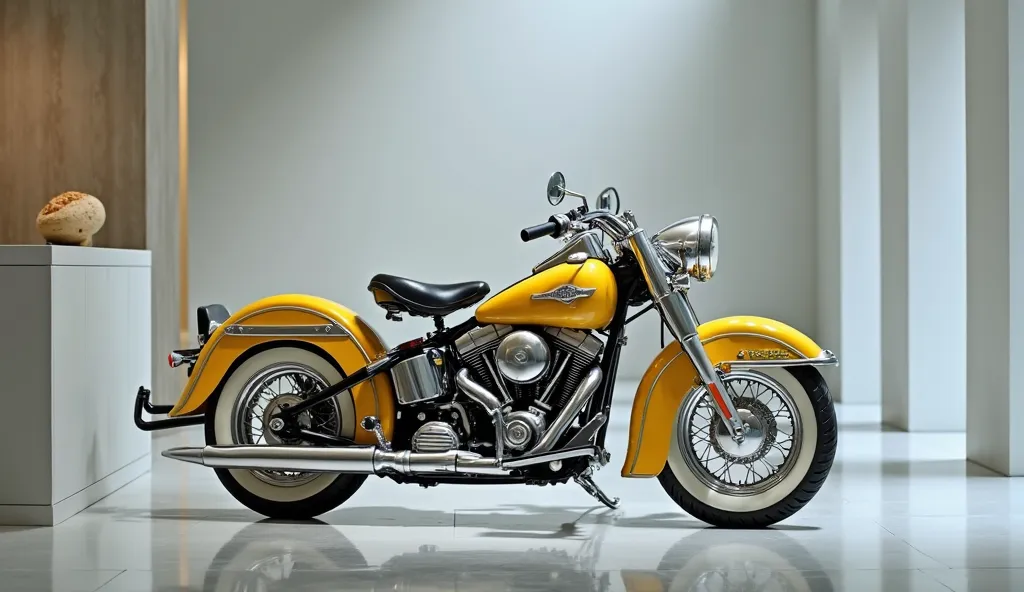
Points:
[(178, 357)]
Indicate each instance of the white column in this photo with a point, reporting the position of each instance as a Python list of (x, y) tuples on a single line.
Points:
[(995, 234), (848, 187), (923, 186)]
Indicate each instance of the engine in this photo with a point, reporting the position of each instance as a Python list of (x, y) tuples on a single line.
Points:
[(534, 372)]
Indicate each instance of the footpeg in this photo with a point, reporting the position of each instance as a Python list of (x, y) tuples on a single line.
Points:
[(372, 424), (588, 485)]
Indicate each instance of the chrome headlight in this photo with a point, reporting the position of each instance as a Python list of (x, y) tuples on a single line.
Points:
[(691, 245)]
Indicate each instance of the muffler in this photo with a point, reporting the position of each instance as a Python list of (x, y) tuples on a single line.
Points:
[(365, 460)]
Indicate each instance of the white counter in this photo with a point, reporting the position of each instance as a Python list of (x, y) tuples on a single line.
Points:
[(74, 348)]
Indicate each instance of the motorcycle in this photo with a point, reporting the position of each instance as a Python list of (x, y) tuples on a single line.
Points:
[(301, 400)]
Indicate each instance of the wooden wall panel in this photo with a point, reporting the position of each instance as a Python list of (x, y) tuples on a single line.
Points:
[(72, 113)]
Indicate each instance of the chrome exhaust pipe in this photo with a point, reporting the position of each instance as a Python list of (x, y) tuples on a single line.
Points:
[(586, 389), (365, 460), (491, 405)]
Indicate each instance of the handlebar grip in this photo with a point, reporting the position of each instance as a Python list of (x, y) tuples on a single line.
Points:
[(549, 228)]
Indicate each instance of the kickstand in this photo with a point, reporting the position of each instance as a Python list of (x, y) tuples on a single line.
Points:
[(587, 483)]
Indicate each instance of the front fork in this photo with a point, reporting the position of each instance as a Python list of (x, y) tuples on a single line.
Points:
[(682, 322)]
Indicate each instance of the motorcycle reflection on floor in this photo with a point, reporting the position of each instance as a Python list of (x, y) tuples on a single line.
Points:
[(268, 557)]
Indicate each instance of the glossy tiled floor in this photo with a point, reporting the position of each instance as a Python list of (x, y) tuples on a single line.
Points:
[(900, 513)]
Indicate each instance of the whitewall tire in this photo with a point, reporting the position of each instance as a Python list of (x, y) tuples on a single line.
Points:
[(231, 421), (748, 502)]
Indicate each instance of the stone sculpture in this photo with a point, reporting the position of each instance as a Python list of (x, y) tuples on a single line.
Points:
[(71, 218)]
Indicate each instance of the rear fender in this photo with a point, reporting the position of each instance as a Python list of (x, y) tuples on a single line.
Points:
[(671, 377), (314, 322)]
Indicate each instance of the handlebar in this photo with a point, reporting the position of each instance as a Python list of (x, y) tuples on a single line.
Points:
[(617, 226), (549, 228)]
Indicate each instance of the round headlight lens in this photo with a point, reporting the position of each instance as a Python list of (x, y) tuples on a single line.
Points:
[(691, 245), (703, 265), (713, 257)]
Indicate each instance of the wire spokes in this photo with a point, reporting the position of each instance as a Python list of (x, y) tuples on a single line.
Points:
[(772, 433)]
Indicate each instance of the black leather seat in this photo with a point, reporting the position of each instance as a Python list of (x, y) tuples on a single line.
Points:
[(398, 294)]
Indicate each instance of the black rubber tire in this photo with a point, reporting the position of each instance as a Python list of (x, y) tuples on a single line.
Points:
[(335, 494), (821, 463)]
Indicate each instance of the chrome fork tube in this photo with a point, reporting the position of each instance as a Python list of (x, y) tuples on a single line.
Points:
[(682, 322)]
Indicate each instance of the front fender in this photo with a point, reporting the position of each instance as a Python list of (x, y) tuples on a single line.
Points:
[(672, 376), (350, 342)]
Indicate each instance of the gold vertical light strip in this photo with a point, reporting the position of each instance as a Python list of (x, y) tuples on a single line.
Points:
[(183, 169)]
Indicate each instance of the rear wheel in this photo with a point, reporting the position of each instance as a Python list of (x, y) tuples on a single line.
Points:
[(252, 393), (783, 461)]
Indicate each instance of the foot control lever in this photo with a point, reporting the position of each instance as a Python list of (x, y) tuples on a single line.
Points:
[(372, 424)]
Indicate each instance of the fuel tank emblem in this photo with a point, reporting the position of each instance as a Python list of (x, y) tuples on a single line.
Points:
[(565, 293)]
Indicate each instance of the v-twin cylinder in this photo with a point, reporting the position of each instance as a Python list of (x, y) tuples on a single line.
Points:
[(365, 460)]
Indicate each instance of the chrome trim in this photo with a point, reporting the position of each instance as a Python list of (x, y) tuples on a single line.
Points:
[(480, 337), (825, 358), (434, 436), (759, 336), (691, 244), (618, 227), (498, 380), (418, 378), (525, 424), (586, 389), (372, 424), (550, 388), (580, 340), (558, 455), (462, 416), (695, 349), (587, 243), (491, 405), (327, 330), (211, 346), (587, 432), (522, 357), (365, 460), (566, 294), (682, 322), (654, 271), (373, 367)]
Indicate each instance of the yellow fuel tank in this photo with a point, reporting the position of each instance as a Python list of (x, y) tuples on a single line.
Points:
[(574, 296)]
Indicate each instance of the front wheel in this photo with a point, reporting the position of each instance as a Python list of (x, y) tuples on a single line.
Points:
[(788, 451)]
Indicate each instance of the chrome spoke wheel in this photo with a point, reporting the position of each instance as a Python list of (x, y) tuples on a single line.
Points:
[(772, 435), (275, 387)]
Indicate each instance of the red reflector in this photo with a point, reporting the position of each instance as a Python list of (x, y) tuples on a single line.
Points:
[(411, 344), (170, 360), (719, 400)]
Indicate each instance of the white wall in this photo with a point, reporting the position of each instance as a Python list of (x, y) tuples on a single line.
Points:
[(333, 140), (922, 100), (848, 182)]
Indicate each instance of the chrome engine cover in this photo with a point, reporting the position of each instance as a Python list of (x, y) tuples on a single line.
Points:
[(523, 429), (522, 357), (435, 436), (571, 354)]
